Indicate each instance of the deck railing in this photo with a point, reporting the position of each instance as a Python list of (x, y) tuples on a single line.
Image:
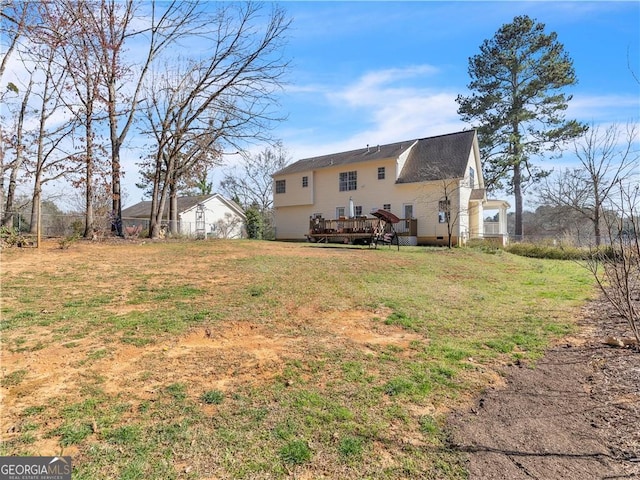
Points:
[(359, 225), (492, 228)]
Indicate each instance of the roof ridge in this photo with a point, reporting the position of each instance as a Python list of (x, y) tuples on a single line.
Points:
[(448, 134)]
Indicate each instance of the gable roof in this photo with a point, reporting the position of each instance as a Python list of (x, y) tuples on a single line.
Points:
[(436, 158), (143, 209), (430, 158)]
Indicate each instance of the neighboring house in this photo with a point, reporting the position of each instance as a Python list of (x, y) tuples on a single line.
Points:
[(199, 216), (434, 185)]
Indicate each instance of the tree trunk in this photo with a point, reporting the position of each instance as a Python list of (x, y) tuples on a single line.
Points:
[(596, 225), (116, 224), (89, 219), (8, 211), (36, 204), (173, 210), (517, 193)]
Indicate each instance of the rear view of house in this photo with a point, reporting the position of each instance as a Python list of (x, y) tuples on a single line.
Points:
[(434, 185)]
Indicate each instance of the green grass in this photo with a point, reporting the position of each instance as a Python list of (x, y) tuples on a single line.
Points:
[(327, 402), (213, 397)]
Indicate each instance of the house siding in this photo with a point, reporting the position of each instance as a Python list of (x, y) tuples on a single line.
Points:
[(295, 193), (219, 220), (222, 218), (297, 205)]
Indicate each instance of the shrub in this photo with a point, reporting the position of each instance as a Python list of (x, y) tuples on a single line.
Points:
[(547, 251), (66, 242)]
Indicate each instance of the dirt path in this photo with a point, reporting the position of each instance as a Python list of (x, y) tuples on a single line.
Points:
[(574, 416)]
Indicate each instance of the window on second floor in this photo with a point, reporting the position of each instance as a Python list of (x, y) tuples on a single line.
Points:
[(387, 207), (472, 177), (305, 181), (348, 181), (281, 186), (381, 173)]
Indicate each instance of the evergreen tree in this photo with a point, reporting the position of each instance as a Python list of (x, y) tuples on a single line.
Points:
[(518, 105), (254, 222)]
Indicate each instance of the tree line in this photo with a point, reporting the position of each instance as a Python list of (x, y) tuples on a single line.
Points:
[(197, 81), (193, 79)]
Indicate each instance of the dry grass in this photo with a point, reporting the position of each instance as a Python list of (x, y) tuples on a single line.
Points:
[(327, 361)]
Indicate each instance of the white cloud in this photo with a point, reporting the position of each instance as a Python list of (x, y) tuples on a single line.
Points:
[(376, 87), (609, 107), (391, 104)]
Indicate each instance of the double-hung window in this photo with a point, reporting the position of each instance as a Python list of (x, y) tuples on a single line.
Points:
[(348, 181)]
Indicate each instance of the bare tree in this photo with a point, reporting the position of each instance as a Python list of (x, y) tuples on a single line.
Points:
[(446, 190), (450, 208), (113, 25), (607, 157), (617, 269), (80, 58), (559, 223), (14, 19), (223, 99), (251, 182), (19, 145), (185, 143), (51, 160)]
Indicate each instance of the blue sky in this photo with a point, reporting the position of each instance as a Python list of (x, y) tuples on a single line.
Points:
[(381, 72)]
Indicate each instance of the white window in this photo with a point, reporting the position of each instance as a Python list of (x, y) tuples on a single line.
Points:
[(340, 212), (348, 181)]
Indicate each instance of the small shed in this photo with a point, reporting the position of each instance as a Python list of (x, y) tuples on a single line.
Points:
[(201, 216)]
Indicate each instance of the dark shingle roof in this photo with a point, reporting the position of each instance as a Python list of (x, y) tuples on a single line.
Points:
[(432, 158), (435, 158), (143, 209), (377, 152)]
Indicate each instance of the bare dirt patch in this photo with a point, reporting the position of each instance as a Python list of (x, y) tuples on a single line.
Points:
[(573, 415), (220, 355)]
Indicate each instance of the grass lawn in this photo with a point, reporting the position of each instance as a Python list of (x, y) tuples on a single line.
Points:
[(247, 359)]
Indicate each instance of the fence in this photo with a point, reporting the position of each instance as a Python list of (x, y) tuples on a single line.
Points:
[(66, 225), (51, 225)]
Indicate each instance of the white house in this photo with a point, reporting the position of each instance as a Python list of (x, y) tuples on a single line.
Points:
[(198, 216), (434, 185)]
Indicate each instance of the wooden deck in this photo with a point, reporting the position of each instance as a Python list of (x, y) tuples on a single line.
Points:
[(354, 230)]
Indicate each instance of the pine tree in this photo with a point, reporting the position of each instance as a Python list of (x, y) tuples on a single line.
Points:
[(518, 105)]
